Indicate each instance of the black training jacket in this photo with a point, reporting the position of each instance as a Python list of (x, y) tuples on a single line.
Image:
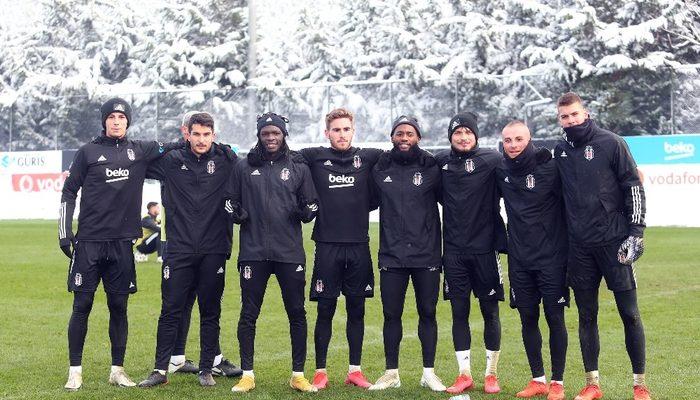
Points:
[(272, 193), (193, 195), (603, 195), (409, 221), (343, 183), (472, 223), (537, 237), (109, 173)]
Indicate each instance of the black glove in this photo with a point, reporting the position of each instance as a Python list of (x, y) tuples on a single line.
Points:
[(630, 250), (306, 212), (237, 213), (67, 246)]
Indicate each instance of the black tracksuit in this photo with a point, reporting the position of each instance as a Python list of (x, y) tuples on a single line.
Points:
[(531, 190), (408, 186), (605, 203), (473, 235), (342, 260), (603, 195), (199, 234), (277, 194), (150, 241), (109, 173)]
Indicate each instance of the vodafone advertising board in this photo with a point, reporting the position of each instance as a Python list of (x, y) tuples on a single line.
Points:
[(31, 183)]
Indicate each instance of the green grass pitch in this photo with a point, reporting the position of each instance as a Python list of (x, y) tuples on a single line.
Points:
[(35, 308)]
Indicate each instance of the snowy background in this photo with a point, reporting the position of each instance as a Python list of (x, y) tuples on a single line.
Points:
[(636, 63)]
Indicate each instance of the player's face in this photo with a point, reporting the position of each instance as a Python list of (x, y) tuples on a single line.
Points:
[(463, 139), (515, 139), (201, 137), (115, 125), (154, 210), (571, 115), (272, 138), (404, 137), (340, 132), (185, 131)]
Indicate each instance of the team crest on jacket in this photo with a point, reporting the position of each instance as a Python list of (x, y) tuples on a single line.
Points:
[(166, 272), (530, 181), (78, 279), (247, 272), (284, 174), (319, 286), (130, 154), (469, 165), (356, 162), (211, 167), (417, 179), (588, 153)]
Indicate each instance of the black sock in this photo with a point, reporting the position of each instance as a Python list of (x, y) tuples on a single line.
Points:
[(492, 324), (78, 326), (323, 329), (558, 339), (461, 333), (118, 326), (355, 327), (532, 338), (634, 330), (587, 304)]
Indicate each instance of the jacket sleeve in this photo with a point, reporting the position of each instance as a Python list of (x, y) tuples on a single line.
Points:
[(156, 170), (73, 183), (307, 198), (152, 150), (628, 178), (233, 195)]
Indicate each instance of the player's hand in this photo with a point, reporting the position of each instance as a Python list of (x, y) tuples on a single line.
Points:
[(237, 213), (630, 250), (67, 246), (306, 212)]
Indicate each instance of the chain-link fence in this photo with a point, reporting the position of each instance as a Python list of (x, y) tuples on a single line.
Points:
[(65, 122)]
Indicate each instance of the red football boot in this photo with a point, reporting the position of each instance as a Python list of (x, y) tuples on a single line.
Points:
[(357, 378), (533, 388), (491, 384), (462, 383), (320, 380), (590, 392)]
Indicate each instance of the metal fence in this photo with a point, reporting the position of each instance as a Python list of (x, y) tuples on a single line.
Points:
[(65, 122)]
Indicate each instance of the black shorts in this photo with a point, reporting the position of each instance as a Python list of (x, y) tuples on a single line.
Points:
[(478, 273), (345, 267), (111, 261), (529, 286), (587, 265)]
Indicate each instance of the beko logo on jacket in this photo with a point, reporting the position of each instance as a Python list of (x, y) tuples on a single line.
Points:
[(118, 174), (341, 181)]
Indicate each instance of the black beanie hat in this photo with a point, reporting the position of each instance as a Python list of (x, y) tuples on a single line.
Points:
[(407, 120), (466, 119), (270, 118), (115, 104)]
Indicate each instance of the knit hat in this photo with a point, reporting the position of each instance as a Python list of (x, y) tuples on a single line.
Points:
[(466, 119), (407, 120), (270, 118), (115, 104)]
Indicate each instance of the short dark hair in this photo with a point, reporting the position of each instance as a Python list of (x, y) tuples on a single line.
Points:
[(151, 204), (201, 118), (568, 99)]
